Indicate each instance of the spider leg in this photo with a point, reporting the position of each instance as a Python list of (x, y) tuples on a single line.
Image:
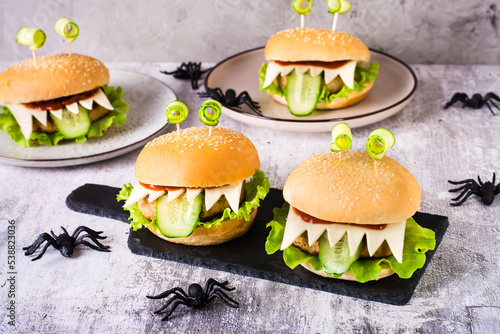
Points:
[(218, 293), (174, 306), (465, 190), (44, 237), (487, 103), (254, 106), (98, 246), (90, 231), (177, 291), (463, 199), (462, 97), (466, 186), (462, 182), (34, 246), (176, 297), (211, 283)]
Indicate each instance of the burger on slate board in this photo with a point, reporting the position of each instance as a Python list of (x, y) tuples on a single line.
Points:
[(195, 187), (350, 218)]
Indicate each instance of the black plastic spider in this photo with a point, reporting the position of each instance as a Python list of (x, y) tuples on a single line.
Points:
[(196, 296), (487, 191), (231, 99), (189, 70), (65, 243), (475, 102)]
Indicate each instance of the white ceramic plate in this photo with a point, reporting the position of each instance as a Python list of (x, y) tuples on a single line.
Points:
[(392, 91), (148, 99)]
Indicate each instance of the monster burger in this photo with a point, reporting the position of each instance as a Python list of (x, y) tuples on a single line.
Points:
[(350, 218), (192, 186), (60, 97), (309, 69)]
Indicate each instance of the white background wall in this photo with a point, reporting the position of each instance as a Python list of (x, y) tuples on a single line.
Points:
[(439, 31)]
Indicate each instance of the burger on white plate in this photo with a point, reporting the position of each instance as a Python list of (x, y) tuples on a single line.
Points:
[(310, 68), (196, 188), (350, 218), (60, 97)]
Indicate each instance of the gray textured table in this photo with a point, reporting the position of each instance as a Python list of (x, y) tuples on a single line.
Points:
[(105, 292)]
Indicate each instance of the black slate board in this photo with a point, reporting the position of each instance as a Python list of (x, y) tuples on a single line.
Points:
[(246, 255)]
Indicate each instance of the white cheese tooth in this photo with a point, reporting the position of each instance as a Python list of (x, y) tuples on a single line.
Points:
[(155, 194), (139, 192), (40, 115), (374, 240), (101, 99), (73, 107), (272, 72), (354, 237), (294, 227), (346, 72), (330, 75), (23, 117), (191, 193), (395, 239), (300, 69), (335, 234), (285, 70), (87, 103), (314, 70), (57, 113), (174, 194), (233, 193), (212, 195), (314, 232)]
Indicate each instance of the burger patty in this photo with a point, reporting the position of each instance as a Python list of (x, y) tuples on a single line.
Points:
[(302, 243), (148, 209), (94, 114)]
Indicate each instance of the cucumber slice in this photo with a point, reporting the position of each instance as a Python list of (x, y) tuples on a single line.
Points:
[(302, 93), (178, 219), (342, 137), (73, 125), (345, 6), (337, 259), (379, 141)]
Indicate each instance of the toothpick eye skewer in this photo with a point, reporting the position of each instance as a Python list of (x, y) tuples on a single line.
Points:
[(303, 8), (32, 37), (337, 7), (209, 113), (341, 138), (177, 112), (68, 29)]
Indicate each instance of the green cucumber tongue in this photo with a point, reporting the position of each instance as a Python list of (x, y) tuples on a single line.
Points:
[(337, 259), (302, 93), (178, 218)]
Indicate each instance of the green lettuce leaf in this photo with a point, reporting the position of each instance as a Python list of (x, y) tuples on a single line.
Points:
[(418, 240), (256, 190), (117, 116), (362, 76)]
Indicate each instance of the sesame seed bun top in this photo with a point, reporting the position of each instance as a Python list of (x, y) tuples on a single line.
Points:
[(312, 44), (353, 190), (197, 159), (52, 76)]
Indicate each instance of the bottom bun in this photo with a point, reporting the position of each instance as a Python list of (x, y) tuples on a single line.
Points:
[(203, 236), (348, 275), (337, 103)]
